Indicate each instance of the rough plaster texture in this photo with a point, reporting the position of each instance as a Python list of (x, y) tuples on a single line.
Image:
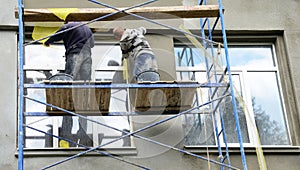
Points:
[(292, 45), (8, 99), (87, 4), (164, 53), (168, 133), (7, 17), (262, 15), (259, 14), (239, 15)]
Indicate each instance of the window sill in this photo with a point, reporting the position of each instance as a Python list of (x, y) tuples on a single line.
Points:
[(288, 150), (49, 152)]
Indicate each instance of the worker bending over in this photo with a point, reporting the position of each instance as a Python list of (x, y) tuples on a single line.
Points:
[(134, 44)]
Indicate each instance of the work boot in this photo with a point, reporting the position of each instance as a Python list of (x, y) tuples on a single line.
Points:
[(84, 138)]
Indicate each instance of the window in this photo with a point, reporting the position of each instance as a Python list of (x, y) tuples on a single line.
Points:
[(41, 63), (257, 90)]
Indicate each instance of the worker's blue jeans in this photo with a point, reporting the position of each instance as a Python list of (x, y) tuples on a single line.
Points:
[(145, 68), (148, 76)]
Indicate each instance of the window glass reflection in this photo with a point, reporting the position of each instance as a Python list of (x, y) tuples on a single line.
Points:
[(190, 56), (251, 56), (257, 76), (228, 114), (198, 127), (267, 108)]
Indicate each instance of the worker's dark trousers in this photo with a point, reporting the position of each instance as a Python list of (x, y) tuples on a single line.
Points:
[(79, 66)]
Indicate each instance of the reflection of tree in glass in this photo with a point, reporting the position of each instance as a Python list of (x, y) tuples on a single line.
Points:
[(198, 129), (270, 131), (229, 122)]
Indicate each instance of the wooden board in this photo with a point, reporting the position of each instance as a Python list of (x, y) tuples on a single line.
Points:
[(88, 14), (79, 100), (164, 100), (96, 101)]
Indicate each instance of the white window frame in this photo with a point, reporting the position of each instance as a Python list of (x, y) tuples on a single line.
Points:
[(242, 72)]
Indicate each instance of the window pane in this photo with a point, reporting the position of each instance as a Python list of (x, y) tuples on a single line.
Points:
[(251, 56), (102, 54), (228, 114), (43, 62), (45, 57), (32, 106), (198, 129), (267, 108), (119, 122), (35, 139), (186, 56)]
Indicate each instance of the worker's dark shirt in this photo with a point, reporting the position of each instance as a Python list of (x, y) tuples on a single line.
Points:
[(75, 39)]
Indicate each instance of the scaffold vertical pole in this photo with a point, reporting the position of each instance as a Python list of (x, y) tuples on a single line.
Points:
[(231, 86), (21, 90)]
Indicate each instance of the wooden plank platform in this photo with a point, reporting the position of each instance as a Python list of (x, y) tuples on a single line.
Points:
[(79, 100), (96, 101), (87, 14), (164, 100)]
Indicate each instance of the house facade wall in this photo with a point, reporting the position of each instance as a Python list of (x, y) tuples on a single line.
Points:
[(267, 15)]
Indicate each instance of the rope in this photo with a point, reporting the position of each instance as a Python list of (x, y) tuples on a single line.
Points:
[(125, 69), (258, 148), (205, 132), (259, 152)]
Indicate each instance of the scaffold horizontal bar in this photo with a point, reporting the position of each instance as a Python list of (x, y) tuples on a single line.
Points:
[(110, 113), (123, 86)]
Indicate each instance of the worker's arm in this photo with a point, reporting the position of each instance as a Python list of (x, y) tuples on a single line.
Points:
[(56, 37), (141, 30)]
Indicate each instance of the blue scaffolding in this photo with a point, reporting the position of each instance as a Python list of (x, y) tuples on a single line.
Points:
[(214, 84)]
